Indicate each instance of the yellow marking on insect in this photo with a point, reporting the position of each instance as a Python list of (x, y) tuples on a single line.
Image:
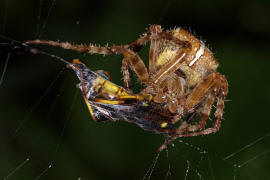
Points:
[(90, 108), (114, 89), (145, 104), (118, 92), (76, 61), (129, 97), (108, 101), (146, 96), (163, 125), (108, 87)]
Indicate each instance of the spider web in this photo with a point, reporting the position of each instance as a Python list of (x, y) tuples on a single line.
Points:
[(47, 133)]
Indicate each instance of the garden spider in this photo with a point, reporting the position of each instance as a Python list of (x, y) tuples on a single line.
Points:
[(181, 77)]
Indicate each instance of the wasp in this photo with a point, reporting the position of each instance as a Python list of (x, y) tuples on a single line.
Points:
[(107, 101)]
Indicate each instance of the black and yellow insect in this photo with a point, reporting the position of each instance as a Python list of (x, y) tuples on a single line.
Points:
[(107, 101)]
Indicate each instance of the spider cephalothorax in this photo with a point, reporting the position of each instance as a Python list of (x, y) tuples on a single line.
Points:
[(181, 77)]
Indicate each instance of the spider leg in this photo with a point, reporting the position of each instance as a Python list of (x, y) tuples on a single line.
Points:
[(154, 44), (205, 115), (129, 56), (170, 67), (126, 75), (137, 44), (216, 125), (215, 80), (82, 48), (168, 36), (175, 94), (93, 49), (137, 65), (219, 85), (152, 36), (185, 127), (155, 32)]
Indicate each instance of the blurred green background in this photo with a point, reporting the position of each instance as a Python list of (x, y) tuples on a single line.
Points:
[(43, 116)]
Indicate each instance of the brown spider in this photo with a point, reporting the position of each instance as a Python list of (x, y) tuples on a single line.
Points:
[(181, 76)]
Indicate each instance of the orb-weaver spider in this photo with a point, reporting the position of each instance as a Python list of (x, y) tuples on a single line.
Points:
[(181, 80)]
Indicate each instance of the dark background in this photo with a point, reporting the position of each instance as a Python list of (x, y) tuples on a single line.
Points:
[(43, 116)]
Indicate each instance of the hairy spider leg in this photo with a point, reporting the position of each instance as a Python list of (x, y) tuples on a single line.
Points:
[(153, 51), (131, 57), (154, 35), (136, 63), (219, 84), (82, 48), (170, 67), (126, 75), (206, 110)]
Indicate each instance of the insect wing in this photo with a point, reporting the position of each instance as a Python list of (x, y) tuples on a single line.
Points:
[(103, 112), (148, 117)]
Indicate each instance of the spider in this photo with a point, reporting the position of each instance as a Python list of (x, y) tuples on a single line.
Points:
[(181, 77)]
